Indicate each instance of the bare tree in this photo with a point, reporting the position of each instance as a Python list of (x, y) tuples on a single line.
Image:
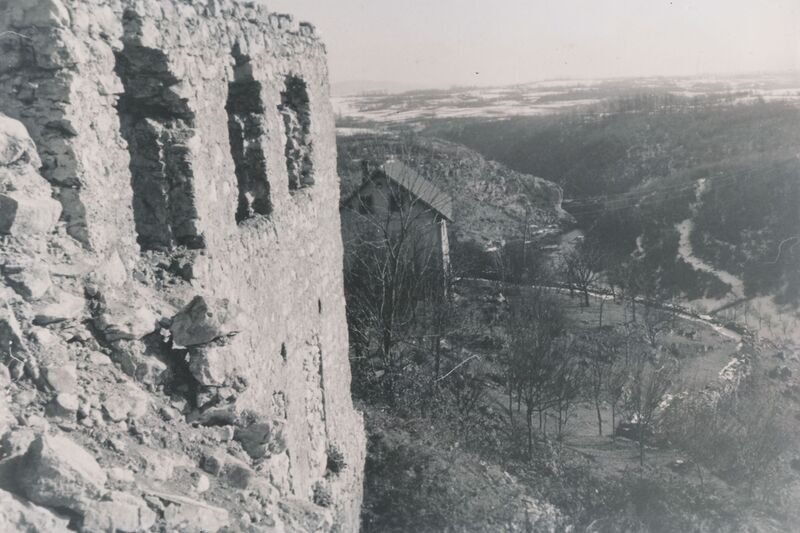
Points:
[(740, 437), (534, 359), (617, 379), (566, 384), (651, 379), (655, 321), (601, 352), (582, 267), (628, 277)]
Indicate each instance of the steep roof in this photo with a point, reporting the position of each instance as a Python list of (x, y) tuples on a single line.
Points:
[(414, 183)]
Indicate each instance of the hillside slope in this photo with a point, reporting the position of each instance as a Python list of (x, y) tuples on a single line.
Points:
[(633, 174)]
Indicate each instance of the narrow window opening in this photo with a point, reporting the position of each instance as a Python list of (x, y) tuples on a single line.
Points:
[(319, 306), (283, 351), (157, 124), (246, 130), (296, 113)]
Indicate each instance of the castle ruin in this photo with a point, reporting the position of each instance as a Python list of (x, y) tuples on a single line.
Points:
[(173, 234)]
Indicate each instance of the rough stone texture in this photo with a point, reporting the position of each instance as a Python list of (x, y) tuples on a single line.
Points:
[(58, 473), (62, 378), (10, 334), (19, 515), (20, 215), (186, 514), (200, 322), (189, 148), (6, 417), (119, 512)]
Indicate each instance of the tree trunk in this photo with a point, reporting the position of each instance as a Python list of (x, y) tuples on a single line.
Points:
[(558, 421), (529, 415), (600, 320), (641, 442), (510, 404), (700, 475), (437, 356), (586, 297), (613, 422), (386, 344), (599, 416)]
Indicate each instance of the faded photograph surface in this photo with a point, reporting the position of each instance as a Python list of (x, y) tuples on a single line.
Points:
[(310, 266)]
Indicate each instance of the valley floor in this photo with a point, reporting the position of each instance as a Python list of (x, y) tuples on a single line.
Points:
[(464, 478)]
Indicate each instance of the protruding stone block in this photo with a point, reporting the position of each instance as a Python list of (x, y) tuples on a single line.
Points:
[(31, 280), (16, 145), (58, 308), (119, 320), (63, 378), (185, 514), (10, 333), (23, 216), (262, 437), (204, 320), (119, 512), (19, 515), (56, 472)]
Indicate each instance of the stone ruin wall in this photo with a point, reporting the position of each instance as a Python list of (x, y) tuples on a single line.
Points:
[(156, 122)]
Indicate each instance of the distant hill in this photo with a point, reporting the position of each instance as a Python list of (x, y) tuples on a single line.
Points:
[(375, 102), (633, 175), (356, 87), (490, 199)]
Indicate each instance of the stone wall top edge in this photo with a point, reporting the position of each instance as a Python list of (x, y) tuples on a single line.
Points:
[(245, 11)]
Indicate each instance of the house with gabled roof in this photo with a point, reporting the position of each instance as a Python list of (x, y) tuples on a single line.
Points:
[(394, 201)]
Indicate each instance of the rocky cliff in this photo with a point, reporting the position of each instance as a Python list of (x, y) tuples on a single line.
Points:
[(174, 345)]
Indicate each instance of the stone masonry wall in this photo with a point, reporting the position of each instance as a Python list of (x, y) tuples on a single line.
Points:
[(180, 218)]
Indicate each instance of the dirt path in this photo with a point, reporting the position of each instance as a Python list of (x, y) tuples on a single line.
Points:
[(686, 252)]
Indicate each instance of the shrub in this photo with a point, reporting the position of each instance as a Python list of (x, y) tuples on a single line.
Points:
[(322, 495), (336, 462)]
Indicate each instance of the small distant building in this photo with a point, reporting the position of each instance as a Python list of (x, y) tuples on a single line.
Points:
[(397, 201)]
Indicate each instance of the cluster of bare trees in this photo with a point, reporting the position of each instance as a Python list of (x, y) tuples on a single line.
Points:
[(581, 268), (396, 284), (547, 371), (739, 437), (540, 373)]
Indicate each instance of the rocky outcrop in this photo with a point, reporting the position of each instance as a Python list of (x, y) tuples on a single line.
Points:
[(168, 272)]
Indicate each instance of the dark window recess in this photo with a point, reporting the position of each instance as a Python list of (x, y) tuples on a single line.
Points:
[(246, 132), (284, 355), (365, 205), (296, 113), (319, 306), (157, 124)]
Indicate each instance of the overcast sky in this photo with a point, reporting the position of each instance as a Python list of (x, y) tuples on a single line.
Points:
[(435, 43)]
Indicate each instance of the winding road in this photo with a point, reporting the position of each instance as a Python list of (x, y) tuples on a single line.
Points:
[(686, 252)]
